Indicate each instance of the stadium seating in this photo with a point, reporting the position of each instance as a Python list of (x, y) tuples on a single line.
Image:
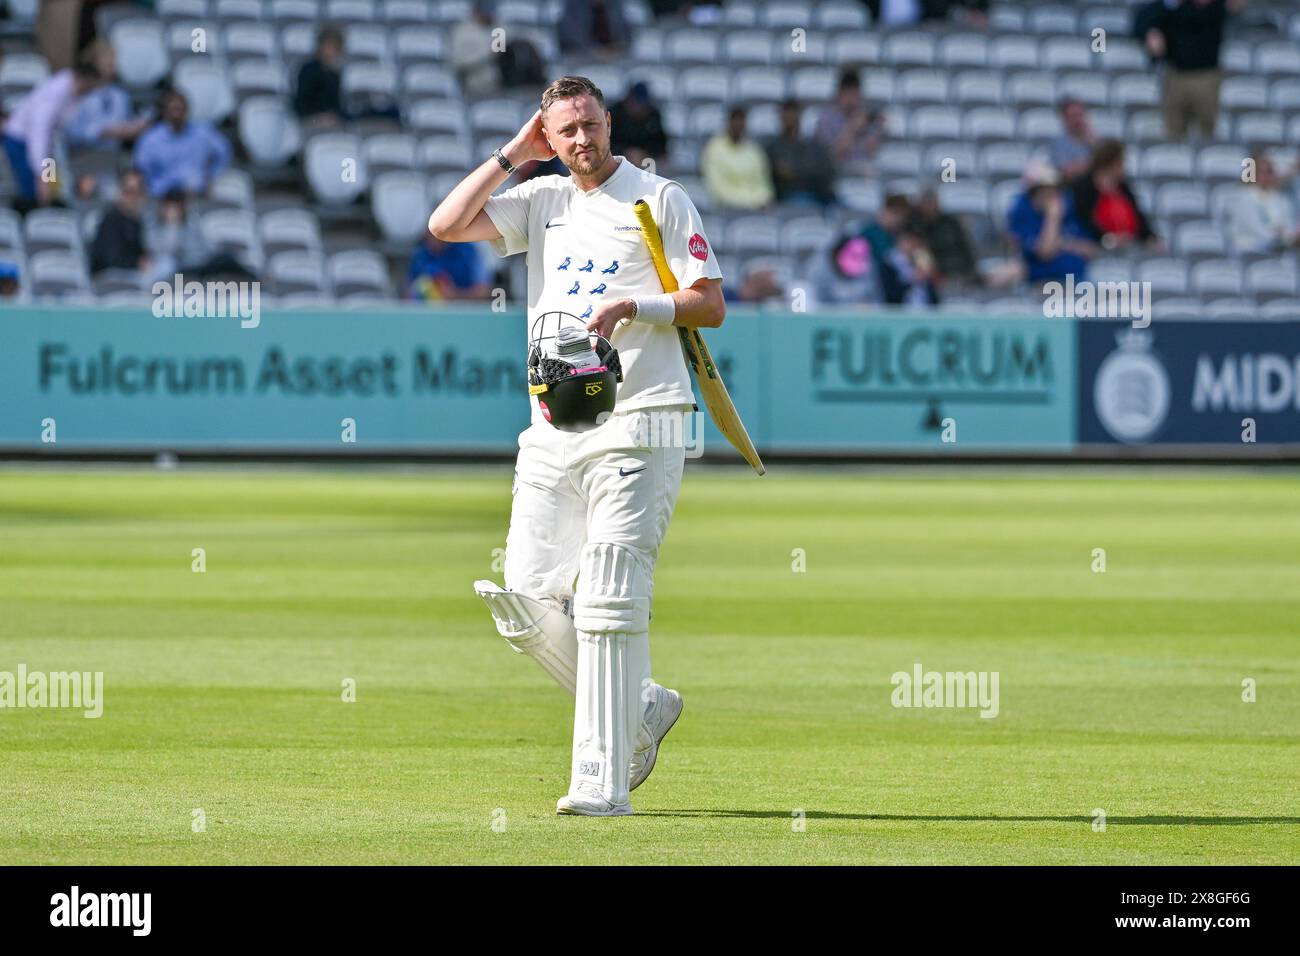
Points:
[(986, 100)]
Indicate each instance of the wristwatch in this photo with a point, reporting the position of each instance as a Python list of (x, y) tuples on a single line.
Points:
[(501, 158)]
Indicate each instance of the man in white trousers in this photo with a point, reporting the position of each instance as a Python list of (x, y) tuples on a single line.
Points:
[(594, 505)]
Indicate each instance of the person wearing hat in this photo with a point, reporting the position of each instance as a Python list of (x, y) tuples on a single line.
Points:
[(1044, 225)]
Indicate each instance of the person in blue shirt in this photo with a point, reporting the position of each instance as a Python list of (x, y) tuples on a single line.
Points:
[(103, 119), (177, 154), (1043, 223), (446, 270)]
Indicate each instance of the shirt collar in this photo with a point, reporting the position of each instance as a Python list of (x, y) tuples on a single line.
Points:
[(618, 171)]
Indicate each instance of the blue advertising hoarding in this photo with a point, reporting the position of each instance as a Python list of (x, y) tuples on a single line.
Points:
[(411, 380), (1192, 383)]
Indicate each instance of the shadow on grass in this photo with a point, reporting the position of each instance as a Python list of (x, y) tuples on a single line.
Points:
[(972, 818)]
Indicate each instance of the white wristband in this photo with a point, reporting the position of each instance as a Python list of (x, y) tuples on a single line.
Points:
[(654, 309)]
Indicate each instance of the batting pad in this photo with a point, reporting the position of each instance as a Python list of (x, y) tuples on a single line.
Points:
[(537, 628), (607, 711), (614, 588)]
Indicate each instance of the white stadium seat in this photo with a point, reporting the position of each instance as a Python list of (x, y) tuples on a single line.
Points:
[(206, 85), (269, 130), (399, 202), (141, 56), (334, 168)]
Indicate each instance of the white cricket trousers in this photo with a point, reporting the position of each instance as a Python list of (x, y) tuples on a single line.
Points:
[(593, 508), (614, 485)]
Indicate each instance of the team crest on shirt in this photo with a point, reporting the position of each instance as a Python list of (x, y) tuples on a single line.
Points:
[(698, 247)]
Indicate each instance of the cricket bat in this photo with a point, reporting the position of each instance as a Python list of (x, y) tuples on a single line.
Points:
[(721, 408)]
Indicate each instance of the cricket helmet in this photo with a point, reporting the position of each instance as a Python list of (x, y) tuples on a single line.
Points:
[(573, 373)]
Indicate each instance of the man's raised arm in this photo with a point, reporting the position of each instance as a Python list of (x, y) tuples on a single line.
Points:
[(460, 217)]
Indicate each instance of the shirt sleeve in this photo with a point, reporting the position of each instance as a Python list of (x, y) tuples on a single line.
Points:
[(509, 213), (687, 248)]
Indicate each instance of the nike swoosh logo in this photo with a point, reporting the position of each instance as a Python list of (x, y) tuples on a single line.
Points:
[(623, 473), (550, 225)]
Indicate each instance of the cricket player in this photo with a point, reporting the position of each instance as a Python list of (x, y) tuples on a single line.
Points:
[(591, 507)]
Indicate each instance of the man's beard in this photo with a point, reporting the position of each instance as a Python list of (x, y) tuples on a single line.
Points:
[(590, 162)]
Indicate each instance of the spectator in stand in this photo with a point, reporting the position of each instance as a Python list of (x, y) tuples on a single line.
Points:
[(759, 285), (908, 275), (892, 13), (844, 274), (176, 244), (946, 237), (1106, 206), (470, 54), (1261, 216), (883, 231), (119, 240), (318, 97), (802, 169), (176, 154), (735, 167), (1187, 36), (1043, 223), (594, 27), (1071, 151), (9, 288), (35, 123), (637, 128), (446, 270), (102, 118), (849, 128)]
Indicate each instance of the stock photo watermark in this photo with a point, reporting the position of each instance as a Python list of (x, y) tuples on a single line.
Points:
[(947, 689), (76, 690)]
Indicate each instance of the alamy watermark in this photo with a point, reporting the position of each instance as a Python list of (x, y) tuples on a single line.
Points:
[(665, 428), (209, 300), (1098, 300), (922, 688), (75, 689)]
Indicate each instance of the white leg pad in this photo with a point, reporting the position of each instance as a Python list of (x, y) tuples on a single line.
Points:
[(606, 716), (612, 615), (539, 628)]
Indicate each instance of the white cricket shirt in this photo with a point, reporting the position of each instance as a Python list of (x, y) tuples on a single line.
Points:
[(586, 248)]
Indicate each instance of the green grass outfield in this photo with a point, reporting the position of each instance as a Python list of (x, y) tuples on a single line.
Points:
[(1120, 691)]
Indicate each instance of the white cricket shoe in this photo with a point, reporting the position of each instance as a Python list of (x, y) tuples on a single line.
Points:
[(659, 719), (590, 802)]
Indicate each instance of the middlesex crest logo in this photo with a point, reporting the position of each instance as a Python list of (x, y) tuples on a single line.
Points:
[(1131, 391), (698, 247)]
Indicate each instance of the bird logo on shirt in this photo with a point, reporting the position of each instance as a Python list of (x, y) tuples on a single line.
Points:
[(564, 265), (613, 268), (599, 290), (588, 267), (587, 314), (576, 287)]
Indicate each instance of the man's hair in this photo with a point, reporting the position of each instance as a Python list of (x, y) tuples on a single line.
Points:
[(849, 79), (897, 202), (87, 70), (567, 87), (1066, 103), (329, 34), (94, 50), (1105, 153)]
